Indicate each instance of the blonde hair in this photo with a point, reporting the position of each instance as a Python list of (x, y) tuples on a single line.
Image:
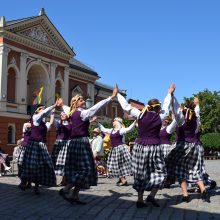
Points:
[(73, 103), (120, 122)]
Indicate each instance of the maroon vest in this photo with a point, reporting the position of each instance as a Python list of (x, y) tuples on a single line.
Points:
[(149, 129), (80, 128), (164, 136), (39, 133), (116, 139)]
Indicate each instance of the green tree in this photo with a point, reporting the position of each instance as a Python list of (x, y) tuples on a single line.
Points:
[(209, 110)]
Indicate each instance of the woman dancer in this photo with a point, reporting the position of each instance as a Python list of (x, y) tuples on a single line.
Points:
[(37, 165), (80, 171), (119, 158), (147, 155), (58, 155), (186, 158)]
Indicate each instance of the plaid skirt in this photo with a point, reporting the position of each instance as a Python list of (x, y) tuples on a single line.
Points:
[(37, 165), (2, 158), (61, 158), (80, 167), (20, 160), (148, 167), (56, 149), (167, 148), (185, 162), (119, 161)]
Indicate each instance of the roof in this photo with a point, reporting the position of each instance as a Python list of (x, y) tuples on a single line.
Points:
[(76, 64), (7, 23), (107, 88), (136, 104)]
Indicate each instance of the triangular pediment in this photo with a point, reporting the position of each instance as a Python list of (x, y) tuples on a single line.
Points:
[(40, 30)]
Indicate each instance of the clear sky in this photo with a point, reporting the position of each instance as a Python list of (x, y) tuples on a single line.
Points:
[(142, 45)]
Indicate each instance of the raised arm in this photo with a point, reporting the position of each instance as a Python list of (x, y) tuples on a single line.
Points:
[(167, 101), (171, 127), (197, 111), (127, 107), (128, 129), (103, 129), (87, 113)]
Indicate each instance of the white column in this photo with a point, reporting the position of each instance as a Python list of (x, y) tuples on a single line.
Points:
[(66, 85), (3, 76), (22, 84), (91, 91), (51, 95)]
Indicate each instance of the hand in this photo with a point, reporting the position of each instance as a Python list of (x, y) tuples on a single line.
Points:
[(93, 119), (115, 91), (196, 100), (172, 89), (181, 106)]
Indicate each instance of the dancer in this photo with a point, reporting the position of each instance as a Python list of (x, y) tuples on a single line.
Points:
[(80, 171), (3, 163), (186, 158), (147, 155), (58, 155), (24, 142), (37, 165), (119, 158)]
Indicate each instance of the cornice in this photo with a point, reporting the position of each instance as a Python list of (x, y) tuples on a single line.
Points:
[(83, 76), (35, 45)]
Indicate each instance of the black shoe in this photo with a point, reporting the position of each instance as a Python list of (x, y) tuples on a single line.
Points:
[(77, 201), (140, 204), (28, 186), (212, 185), (36, 191), (152, 200), (22, 186), (119, 181), (205, 197), (62, 193), (123, 184), (185, 199)]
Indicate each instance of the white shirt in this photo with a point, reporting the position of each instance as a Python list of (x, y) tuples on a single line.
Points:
[(122, 131), (87, 113), (179, 117), (136, 113), (37, 118)]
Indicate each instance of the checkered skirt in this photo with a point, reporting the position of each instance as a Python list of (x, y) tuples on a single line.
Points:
[(37, 165), (55, 152), (80, 167), (119, 161), (185, 162), (20, 160), (167, 148), (148, 167), (61, 158)]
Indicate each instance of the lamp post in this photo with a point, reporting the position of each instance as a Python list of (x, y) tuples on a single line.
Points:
[(88, 102)]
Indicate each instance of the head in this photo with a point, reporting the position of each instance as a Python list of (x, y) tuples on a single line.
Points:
[(77, 102), (188, 110), (117, 122), (96, 132), (167, 120), (19, 142), (154, 105), (39, 109), (63, 116)]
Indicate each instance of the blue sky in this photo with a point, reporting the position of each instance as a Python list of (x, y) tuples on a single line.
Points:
[(142, 45)]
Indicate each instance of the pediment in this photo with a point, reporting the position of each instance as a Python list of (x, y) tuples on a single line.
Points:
[(40, 30)]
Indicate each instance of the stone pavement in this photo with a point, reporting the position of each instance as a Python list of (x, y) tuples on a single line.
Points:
[(106, 201)]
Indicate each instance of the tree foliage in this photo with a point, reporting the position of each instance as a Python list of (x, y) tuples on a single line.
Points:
[(209, 110), (211, 141)]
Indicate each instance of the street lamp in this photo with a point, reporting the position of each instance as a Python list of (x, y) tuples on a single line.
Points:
[(88, 102)]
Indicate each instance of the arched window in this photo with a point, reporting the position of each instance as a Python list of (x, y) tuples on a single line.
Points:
[(11, 86), (11, 134)]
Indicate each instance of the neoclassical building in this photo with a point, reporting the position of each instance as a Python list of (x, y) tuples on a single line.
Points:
[(33, 54)]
